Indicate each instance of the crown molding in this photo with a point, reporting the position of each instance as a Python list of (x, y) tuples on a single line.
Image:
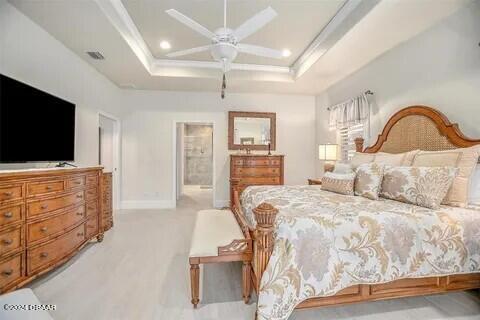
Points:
[(123, 23)]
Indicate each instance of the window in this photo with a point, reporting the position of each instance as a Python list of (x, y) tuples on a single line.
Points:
[(347, 139)]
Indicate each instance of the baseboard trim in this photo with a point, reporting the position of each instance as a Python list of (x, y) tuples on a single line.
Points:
[(147, 204)]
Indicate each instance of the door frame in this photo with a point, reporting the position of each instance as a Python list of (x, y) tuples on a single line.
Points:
[(174, 157), (117, 133)]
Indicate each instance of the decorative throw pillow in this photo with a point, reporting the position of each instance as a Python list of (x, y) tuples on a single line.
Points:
[(339, 183), (396, 159), (422, 186), (465, 159), (342, 168), (474, 193), (361, 158), (368, 180)]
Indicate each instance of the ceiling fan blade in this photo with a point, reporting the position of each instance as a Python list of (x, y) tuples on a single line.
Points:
[(188, 51), (190, 23), (260, 51), (254, 23)]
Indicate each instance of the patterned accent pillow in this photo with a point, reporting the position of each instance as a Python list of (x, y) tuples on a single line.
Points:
[(368, 180), (465, 159), (339, 183), (422, 186)]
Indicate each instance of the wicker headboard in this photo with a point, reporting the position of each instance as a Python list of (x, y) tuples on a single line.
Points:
[(418, 127)]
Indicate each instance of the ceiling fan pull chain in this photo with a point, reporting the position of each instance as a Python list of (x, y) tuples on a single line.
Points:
[(224, 86)]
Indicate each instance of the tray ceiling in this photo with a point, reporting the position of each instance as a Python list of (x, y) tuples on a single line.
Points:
[(327, 41), (297, 24)]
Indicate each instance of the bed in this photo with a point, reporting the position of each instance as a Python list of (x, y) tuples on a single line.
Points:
[(314, 248)]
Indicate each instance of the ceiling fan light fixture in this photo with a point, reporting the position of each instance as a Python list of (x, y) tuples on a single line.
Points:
[(286, 53), (165, 45)]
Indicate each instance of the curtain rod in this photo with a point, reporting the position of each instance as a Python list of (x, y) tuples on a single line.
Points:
[(368, 92)]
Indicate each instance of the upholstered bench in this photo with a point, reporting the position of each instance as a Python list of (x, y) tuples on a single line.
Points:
[(217, 237)]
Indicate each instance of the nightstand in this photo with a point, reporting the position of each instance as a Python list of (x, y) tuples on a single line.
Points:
[(314, 181)]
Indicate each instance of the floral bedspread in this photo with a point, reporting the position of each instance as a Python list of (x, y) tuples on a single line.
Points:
[(326, 242)]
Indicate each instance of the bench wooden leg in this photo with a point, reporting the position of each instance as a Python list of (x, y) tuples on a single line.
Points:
[(195, 283), (246, 281)]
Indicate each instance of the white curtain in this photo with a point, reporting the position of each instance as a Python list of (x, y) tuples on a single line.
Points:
[(349, 113)]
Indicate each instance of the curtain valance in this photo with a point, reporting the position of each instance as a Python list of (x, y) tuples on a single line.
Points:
[(350, 112)]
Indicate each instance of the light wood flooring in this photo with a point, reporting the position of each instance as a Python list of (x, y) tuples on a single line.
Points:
[(140, 271)]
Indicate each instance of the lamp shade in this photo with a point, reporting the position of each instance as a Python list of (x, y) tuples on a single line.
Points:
[(327, 152)]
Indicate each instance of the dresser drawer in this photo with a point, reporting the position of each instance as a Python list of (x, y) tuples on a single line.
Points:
[(11, 214), (92, 226), (92, 180), (39, 207), (91, 194), (11, 192), (10, 240), (55, 250), (260, 180), (256, 172), (75, 182), (10, 270), (51, 226), (92, 208), (44, 187)]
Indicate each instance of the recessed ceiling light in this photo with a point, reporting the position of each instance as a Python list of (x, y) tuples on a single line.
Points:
[(286, 53), (165, 45)]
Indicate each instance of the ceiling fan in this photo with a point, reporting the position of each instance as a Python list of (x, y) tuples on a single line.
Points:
[(224, 42)]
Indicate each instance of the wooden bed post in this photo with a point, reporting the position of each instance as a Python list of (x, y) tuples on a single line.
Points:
[(359, 144), (265, 215)]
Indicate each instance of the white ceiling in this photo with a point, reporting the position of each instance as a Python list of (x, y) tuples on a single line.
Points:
[(361, 37), (297, 24)]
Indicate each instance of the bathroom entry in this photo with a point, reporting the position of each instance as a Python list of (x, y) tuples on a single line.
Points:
[(195, 161)]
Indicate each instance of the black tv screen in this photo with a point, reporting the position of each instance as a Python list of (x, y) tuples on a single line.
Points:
[(35, 126)]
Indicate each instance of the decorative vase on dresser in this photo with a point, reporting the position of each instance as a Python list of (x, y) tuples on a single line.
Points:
[(46, 216), (256, 169)]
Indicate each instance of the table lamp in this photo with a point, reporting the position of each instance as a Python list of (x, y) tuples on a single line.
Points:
[(328, 153)]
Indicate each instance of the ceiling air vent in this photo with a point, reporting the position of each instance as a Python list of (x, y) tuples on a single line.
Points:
[(95, 55)]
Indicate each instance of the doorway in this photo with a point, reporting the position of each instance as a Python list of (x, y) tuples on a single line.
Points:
[(194, 163), (108, 150)]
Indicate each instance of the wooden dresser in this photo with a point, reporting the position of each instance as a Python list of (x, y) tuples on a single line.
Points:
[(46, 216), (107, 214), (252, 169)]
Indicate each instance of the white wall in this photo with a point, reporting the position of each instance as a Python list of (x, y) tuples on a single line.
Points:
[(148, 134), (30, 54), (439, 68), (106, 148)]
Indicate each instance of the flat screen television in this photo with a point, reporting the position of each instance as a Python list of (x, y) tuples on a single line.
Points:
[(35, 126)]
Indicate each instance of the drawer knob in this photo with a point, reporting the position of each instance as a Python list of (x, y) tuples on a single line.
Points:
[(7, 241), (8, 193), (79, 213), (8, 214), (80, 234), (49, 187), (43, 254), (7, 272), (43, 229), (44, 206), (79, 196), (77, 182)]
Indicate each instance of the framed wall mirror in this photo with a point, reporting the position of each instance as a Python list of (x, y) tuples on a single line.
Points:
[(251, 130)]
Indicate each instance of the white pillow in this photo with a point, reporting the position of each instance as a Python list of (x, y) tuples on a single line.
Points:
[(342, 167), (474, 191)]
